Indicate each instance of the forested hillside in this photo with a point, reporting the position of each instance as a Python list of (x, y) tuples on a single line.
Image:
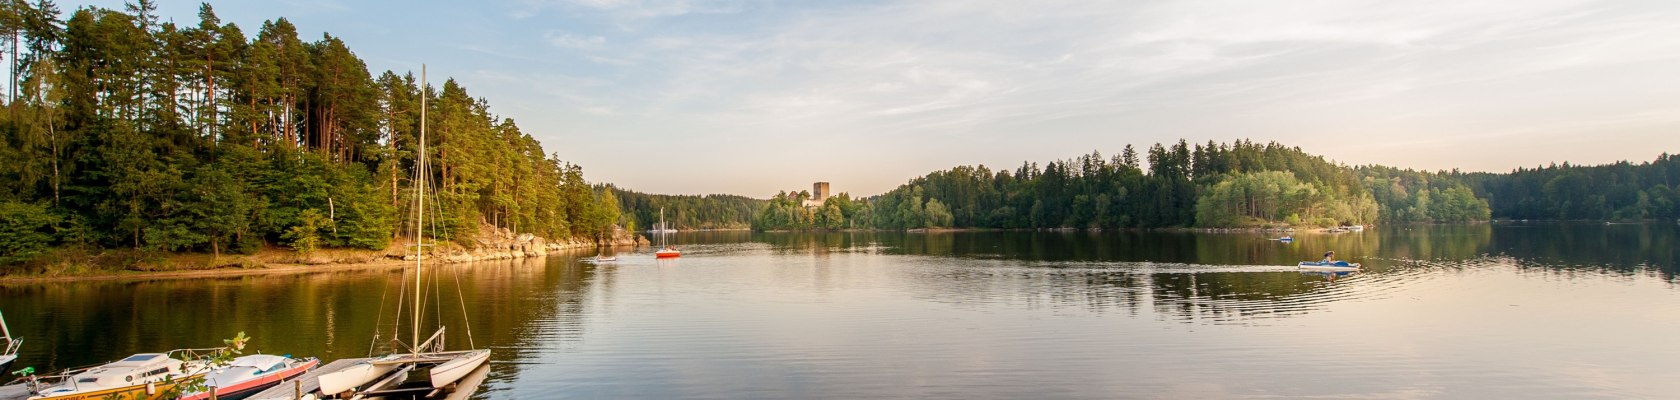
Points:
[(121, 131), (1239, 184), (686, 212), (1619, 191)]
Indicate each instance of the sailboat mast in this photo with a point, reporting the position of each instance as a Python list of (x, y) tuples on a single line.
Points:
[(419, 214), (7, 331)]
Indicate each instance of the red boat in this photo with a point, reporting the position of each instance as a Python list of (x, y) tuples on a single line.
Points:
[(250, 374), (667, 251)]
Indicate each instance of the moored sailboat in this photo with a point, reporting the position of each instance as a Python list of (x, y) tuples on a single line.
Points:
[(388, 374), (665, 250)]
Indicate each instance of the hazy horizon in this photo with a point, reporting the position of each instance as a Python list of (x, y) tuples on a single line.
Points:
[(756, 97)]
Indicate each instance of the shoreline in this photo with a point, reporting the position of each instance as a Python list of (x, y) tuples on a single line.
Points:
[(71, 265), (265, 269), (225, 272), (362, 262)]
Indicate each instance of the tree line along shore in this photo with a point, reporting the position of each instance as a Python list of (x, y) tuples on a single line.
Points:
[(126, 137), (1237, 185), (128, 143)]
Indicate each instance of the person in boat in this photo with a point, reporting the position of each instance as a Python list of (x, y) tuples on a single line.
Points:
[(1329, 257)]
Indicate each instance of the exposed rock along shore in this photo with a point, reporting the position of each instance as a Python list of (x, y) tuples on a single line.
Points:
[(502, 244)]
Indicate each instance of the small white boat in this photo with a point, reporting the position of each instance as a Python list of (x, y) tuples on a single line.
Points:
[(250, 374), (602, 259), (355, 376), (138, 376), (1324, 266), (453, 370)]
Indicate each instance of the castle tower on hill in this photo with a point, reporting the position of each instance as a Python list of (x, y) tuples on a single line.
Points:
[(819, 194)]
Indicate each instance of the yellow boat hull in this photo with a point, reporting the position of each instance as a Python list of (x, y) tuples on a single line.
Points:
[(151, 391)]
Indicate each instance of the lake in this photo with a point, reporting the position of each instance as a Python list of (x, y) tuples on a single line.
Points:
[(1525, 310)]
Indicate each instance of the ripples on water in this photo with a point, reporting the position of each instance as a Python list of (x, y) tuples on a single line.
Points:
[(1474, 312)]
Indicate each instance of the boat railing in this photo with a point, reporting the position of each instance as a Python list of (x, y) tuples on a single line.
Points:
[(12, 345), (197, 359), (38, 384)]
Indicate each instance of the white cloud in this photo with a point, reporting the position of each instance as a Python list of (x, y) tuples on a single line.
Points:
[(571, 41), (914, 74)]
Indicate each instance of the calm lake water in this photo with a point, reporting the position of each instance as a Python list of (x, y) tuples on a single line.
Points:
[(1468, 311)]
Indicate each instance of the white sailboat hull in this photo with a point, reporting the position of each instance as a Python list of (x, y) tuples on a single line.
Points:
[(453, 370), (351, 377)]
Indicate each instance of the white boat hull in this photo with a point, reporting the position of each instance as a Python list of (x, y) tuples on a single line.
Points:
[(351, 377), (453, 370), (466, 387), (1313, 266)]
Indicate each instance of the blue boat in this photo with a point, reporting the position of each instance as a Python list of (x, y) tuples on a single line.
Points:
[(1324, 266)]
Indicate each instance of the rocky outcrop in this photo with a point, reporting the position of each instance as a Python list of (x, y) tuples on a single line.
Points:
[(622, 237), (501, 244)]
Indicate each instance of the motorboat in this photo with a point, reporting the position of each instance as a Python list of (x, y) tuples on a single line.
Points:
[(1331, 266), (250, 374), (140, 376)]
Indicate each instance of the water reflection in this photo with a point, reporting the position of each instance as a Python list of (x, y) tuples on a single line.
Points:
[(966, 314), (1629, 248), (514, 305), (1227, 277)]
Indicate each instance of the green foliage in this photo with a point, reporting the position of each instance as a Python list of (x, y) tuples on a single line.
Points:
[(1092, 191), (218, 358), (25, 231), (1621, 190), (149, 135), (1412, 196), (715, 211), (1242, 184), (305, 237)]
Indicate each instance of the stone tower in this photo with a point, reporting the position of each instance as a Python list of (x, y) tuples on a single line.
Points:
[(819, 192)]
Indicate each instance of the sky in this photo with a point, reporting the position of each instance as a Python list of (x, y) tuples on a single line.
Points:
[(754, 97)]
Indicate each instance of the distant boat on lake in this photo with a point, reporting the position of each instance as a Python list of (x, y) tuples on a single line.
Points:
[(665, 250), (1324, 266)]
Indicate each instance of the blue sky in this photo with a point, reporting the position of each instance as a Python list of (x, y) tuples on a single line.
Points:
[(752, 97)]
